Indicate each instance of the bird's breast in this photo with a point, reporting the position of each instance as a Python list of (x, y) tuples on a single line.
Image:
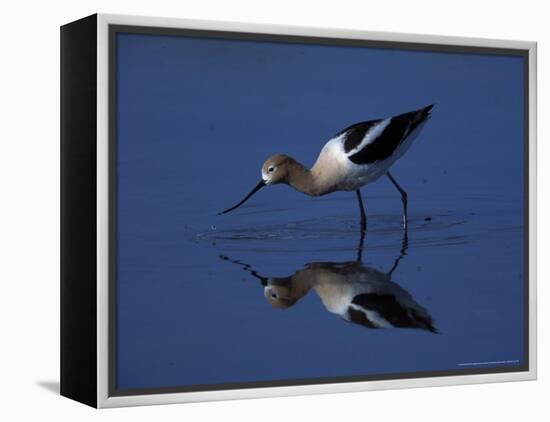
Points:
[(333, 170)]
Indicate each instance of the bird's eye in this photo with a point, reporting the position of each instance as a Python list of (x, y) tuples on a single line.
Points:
[(270, 169)]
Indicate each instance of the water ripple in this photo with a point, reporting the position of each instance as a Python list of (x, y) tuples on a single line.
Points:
[(337, 232)]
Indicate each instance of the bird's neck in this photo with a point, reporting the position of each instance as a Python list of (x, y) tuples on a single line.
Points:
[(301, 179)]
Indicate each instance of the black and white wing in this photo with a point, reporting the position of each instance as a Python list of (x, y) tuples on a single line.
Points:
[(380, 310), (367, 142)]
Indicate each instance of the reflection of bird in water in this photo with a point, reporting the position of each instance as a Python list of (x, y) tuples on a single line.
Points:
[(357, 293), (356, 156)]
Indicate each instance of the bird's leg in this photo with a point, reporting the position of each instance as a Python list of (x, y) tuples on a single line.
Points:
[(360, 246), (402, 252), (362, 210), (403, 198)]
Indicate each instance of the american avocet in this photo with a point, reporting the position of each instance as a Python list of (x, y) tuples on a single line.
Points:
[(357, 293), (356, 156)]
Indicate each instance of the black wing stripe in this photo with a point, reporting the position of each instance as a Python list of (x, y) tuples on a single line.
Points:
[(360, 318), (389, 308), (396, 132), (385, 144), (355, 134)]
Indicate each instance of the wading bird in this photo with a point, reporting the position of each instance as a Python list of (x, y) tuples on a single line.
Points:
[(357, 293), (356, 156)]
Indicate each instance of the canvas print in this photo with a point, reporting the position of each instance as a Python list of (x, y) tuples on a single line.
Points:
[(384, 235)]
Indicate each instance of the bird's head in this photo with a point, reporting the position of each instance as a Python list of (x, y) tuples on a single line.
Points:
[(281, 293), (279, 296), (276, 169)]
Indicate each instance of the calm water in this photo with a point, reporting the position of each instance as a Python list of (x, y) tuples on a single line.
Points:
[(197, 118)]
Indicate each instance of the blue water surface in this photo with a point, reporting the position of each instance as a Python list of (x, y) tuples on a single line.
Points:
[(197, 117)]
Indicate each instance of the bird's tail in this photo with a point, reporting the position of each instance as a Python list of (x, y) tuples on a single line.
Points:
[(420, 115)]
